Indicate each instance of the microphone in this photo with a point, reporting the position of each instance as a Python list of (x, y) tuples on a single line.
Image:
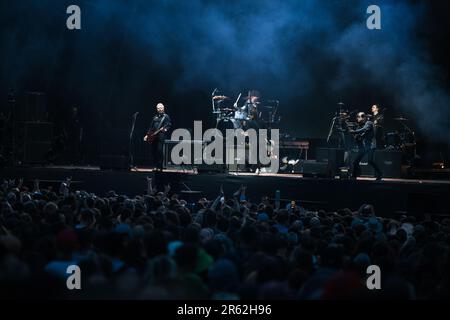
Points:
[(214, 92), (136, 114)]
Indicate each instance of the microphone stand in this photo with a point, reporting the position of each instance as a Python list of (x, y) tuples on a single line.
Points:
[(130, 146), (213, 104), (330, 132), (212, 100)]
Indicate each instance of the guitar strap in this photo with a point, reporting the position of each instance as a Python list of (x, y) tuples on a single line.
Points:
[(161, 121)]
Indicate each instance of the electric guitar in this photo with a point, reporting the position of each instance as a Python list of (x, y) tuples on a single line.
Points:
[(350, 129), (150, 137), (359, 137)]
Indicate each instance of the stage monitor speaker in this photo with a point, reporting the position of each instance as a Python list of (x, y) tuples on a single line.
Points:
[(311, 168), (389, 162), (170, 144), (212, 168), (114, 162), (333, 156)]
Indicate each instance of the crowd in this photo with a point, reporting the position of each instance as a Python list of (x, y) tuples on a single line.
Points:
[(160, 246)]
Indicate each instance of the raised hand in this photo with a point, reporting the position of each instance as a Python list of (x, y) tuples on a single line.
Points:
[(150, 190), (36, 185), (167, 188), (238, 192), (64, 189), (20, 184)]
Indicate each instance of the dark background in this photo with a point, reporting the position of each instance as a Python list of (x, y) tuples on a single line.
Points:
[(309, 55)]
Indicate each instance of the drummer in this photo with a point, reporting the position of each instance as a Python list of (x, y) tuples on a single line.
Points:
[(250, 110), (249, 116)]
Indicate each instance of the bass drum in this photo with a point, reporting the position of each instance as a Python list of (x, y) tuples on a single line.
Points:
[(225, 124), (392, 140)]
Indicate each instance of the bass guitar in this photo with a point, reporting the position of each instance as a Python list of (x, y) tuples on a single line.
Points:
[(150, 137)]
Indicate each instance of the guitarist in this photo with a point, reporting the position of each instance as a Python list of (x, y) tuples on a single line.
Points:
[(366, 140), (156, 134), (378, 119)]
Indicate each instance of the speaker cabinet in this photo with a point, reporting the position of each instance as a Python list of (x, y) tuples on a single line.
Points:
[(334, 157), (313, 168), (389, 162), (32, 142), (32, 106), (189, 159)]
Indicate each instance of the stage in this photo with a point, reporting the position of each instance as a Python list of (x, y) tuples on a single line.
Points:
[(391, 197)]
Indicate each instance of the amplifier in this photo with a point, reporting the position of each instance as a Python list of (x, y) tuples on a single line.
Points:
[(188, 158), (333, 156), (294, 149), (32, 106), (313, 168), (32, 141), (389, 162)]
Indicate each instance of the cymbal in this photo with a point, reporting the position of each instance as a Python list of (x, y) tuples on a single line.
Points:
[(226, 109), (220, 98), (401, 119)]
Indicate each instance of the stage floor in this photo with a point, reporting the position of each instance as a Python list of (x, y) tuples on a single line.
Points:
[(391, 197)]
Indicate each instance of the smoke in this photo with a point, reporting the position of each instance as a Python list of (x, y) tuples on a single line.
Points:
[(309, 54), (393, 61)]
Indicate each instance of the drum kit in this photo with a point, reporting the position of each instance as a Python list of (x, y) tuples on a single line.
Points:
[(229, 116), (401, 140), (404, 140), (224, 113)]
